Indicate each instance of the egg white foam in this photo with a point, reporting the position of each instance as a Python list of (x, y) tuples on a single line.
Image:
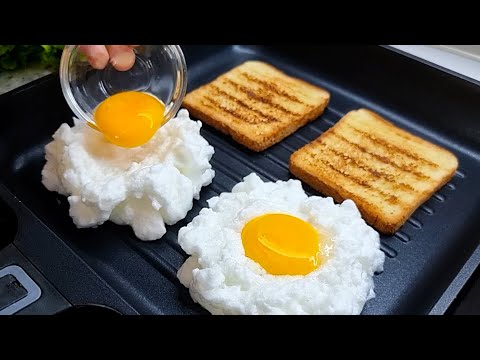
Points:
[(224, 281), (145, 187)]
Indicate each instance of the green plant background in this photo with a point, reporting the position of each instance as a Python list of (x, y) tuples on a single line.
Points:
[(13, 57)]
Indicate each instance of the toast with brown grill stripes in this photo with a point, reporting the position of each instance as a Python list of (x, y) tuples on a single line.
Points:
[(385, 170), (256, 104)]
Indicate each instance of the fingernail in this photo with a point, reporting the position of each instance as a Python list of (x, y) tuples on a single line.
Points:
[(123, 61)]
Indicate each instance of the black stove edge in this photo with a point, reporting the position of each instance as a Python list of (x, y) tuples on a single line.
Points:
[(455, 287), (445, 301), (32, 248)]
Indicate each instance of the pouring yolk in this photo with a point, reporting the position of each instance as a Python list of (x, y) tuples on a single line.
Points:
[(129, 118), (283, 244)]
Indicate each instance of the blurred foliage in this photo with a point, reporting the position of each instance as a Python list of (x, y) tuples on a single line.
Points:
[(14, 57)]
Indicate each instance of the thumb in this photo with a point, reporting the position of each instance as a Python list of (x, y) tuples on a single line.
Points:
[(122, 57)]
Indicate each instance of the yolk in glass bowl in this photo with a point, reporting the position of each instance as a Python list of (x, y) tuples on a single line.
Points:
[(129, 119)]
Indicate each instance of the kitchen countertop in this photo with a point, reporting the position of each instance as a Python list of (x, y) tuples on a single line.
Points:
[(10, 80)]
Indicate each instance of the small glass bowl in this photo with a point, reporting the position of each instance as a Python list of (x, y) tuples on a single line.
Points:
[(159, 70)]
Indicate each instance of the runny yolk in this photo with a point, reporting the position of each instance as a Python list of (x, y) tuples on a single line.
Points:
[(129, 118), (283, 244)]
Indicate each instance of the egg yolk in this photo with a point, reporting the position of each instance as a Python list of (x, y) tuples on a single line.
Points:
[(283, 244), (129, 118)]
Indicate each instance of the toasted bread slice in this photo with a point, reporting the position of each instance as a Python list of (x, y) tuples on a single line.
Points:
[(385, 170), (257, 104)]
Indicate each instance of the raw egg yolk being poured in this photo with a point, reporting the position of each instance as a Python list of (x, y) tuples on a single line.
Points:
[(283, 244), (129, 118)]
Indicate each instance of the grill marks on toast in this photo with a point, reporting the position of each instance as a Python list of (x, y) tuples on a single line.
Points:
[(388, 172), (391, 147), (334, 165), (328, 160), (383, 143), (270, 86), (214, 105), (257, 104), (369, 172), (258, 115), (373, 170), (381, 158), (381, 166), (264, 98)]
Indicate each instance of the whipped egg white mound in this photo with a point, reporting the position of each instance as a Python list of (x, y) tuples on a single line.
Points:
[(224, 281), (145, 187)]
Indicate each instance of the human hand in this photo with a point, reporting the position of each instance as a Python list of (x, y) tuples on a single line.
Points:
[(121, 57)]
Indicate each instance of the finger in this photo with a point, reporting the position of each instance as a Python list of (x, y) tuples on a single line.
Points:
[(97, 55), (122, 57)]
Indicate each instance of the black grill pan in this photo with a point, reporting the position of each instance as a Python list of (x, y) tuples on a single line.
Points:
[(428, 260)]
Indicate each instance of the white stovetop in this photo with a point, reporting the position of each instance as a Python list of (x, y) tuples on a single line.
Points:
[(463, 59)]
